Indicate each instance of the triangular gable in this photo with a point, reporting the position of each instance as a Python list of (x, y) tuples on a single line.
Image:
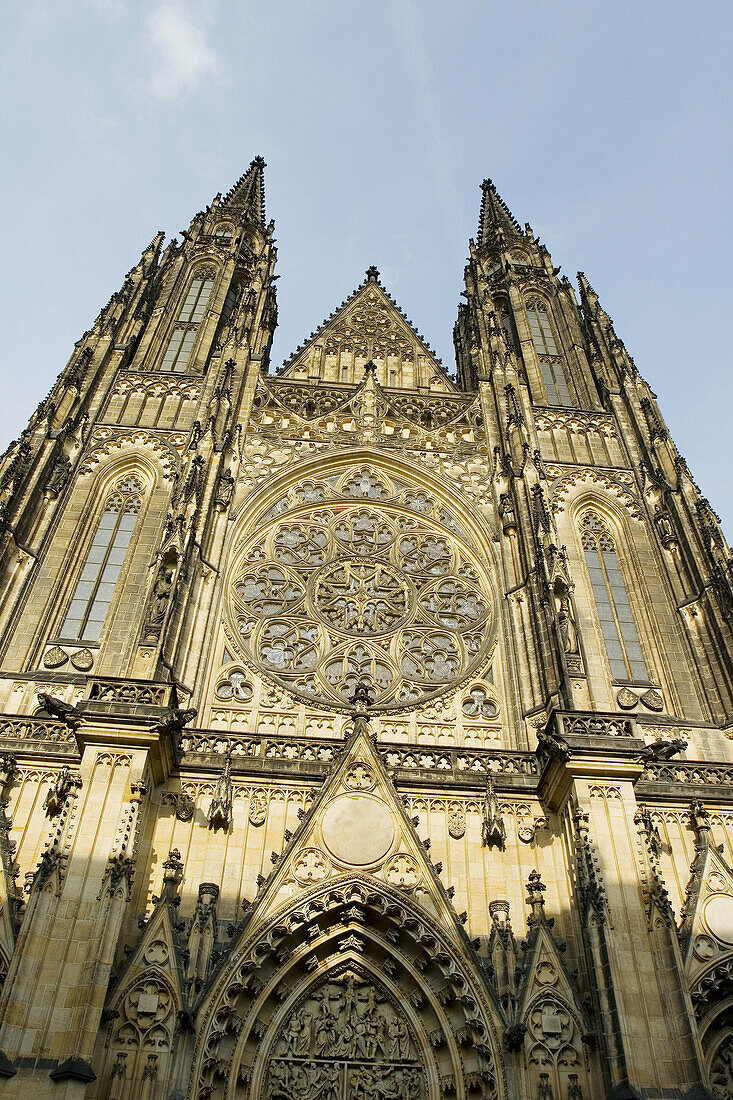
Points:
[(544, 972), (156, 957), (707, 923), (369, 327), (357, 824)]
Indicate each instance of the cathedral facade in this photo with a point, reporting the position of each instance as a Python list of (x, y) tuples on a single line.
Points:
[(366, 729)]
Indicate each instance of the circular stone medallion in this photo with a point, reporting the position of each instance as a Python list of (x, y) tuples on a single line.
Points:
[(357, 829), (719, 917)]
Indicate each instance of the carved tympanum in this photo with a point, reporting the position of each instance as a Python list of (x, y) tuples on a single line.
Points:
[(347, 1039)]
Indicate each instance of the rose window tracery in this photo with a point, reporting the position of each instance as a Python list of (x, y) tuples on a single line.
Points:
[(356, 586)]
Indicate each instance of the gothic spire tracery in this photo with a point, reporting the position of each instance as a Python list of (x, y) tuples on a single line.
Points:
[(248, 193), (496, 220)]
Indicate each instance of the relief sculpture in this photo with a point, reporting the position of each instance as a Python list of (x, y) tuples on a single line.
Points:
[(347, 1041)]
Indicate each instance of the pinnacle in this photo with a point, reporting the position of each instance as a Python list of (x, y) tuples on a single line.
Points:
[(496, 219), (248, 193)]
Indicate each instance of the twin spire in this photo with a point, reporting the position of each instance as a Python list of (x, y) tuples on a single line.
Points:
[(496, 220)]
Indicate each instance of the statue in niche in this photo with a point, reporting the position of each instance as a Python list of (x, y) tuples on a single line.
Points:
[(224, 490), (566, 623), (59, 476)]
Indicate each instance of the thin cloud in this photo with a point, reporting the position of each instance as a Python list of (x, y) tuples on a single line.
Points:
[(181, 56)]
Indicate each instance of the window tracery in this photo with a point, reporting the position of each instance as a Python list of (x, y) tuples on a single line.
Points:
[(95, 587), (332, 592), (612, 601), (180, 344), (552, 367)]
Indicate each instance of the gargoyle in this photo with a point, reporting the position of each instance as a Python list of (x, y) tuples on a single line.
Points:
[(556, 747), (663, 749), (174, 720), (59, 709)]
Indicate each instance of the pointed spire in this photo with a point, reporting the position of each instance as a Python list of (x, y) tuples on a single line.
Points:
[(496, 224), (248, 193)]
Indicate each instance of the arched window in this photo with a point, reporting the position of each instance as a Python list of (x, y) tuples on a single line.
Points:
[(507, 323), (551, 364), (96, 585), (612, 601), (183, 336), (230, 303)]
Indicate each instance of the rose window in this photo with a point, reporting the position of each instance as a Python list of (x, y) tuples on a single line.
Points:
[(348, 584)]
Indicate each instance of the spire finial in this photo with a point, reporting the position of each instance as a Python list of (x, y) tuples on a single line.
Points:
[(372, 274), (248, 193), (496, 223)]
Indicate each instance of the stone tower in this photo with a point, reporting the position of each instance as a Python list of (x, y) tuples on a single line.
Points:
[(366, 729)]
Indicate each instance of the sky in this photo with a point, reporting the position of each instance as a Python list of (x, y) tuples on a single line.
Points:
[(605, 125)]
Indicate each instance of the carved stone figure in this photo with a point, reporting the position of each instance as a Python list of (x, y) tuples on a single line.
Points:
[(346, 1040), (493, 829), (162, 587), (59, 476), (224, 490), (220, 809), (56, 795), (566, 623)]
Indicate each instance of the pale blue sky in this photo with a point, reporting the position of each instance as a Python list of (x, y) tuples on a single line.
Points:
[(605, 125)]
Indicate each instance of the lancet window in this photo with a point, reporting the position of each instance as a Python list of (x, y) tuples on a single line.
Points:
[(95, 587), (183, 336), (612, 601), (552, 367)]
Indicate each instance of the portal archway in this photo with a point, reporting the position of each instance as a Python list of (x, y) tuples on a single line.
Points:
[(355, 991)]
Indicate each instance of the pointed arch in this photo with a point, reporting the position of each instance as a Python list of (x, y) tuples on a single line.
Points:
[(109, 525), (95, 586), (548, 349), (611, 598), (363, 927), (190, 315), (631, 548)]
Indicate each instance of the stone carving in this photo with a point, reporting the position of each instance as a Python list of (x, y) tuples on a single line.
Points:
[(479, 704), (345, 1041), (493, 829), (55, 657), (553, 1034), (59, 476), (652, 700), (185, 806), (456, 824), (350, 593), (82, 660), (403, 871), (220, 809), (310, 866), (158, 602), (236, 688), (257, 811), (567, 627), (56, 796), (359, 778), (224, 490), (721, 1070), (627, 699)]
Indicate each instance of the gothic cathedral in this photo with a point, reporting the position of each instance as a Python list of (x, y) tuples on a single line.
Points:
[(366, 729)]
